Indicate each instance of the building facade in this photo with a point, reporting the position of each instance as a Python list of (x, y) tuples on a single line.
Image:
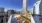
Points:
[(36, 7), (10, 12), (40, 7), (37, 12), (1, 14)]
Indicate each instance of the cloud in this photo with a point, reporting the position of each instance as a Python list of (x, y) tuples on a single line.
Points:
[(30, 9)]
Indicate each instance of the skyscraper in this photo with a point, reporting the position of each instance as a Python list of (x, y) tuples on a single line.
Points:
[(1, 11), (36, 12), (1, 14), (10, 12), (36, 7)]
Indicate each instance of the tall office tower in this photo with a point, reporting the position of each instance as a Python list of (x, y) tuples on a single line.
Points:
[(1, 11), (24, 7), (36, 7), (40, 7), (10, 12), (1, 14)]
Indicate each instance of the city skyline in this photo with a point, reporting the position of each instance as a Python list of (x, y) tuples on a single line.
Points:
[(16, 4)]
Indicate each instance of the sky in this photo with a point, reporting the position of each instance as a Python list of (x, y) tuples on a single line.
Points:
[(16, 4)]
